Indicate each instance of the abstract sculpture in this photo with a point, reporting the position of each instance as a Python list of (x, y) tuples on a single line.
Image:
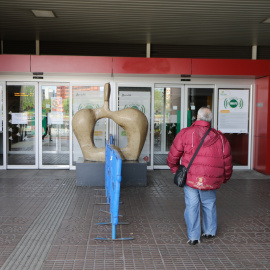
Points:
[(133, 121)]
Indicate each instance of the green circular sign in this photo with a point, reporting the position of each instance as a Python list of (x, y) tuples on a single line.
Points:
[(233, 103)]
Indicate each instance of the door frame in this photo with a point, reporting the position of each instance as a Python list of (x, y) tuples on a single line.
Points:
[(114, 104)]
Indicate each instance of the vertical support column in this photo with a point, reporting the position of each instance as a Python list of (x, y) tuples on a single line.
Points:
[(254, 52), (261, 150), (2, 46), (148, 50), (37, 47)]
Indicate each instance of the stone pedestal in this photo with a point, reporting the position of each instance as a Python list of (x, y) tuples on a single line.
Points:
[(92, 173)]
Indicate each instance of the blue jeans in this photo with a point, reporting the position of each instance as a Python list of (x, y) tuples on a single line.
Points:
[(193, 199)]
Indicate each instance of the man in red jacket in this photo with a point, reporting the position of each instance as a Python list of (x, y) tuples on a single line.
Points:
[(211, 167)]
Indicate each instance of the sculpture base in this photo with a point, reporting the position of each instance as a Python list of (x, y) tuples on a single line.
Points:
[(92, 173)]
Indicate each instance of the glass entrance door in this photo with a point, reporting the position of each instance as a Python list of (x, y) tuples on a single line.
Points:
[(37, 124), (234, 122), (54, 123), (21, 100), (168, 121), (2, 135), (138, 98), (198, 96)]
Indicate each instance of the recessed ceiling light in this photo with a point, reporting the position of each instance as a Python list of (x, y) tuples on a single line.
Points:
[(43, 13), (266, 20)]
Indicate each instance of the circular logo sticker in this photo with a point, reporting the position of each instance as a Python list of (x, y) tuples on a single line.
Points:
[(234, 103)]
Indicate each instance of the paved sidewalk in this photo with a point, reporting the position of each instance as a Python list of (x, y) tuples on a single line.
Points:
[(47, 223)]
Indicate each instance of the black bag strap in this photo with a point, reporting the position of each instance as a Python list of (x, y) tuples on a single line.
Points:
[(198, 148)]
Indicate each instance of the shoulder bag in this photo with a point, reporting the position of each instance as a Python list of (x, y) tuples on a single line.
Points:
[(180, 176)]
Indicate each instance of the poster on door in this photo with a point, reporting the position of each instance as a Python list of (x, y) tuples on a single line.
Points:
[(141, 101), (56, 104), (233, 111), (89, 99)]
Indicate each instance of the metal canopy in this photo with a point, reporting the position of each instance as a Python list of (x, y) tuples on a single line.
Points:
[(175, 22)]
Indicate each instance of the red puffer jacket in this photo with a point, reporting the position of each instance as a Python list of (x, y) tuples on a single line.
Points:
[(213, 164)]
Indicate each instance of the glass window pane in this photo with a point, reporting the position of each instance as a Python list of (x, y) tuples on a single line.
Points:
[(1, 126), (167, 121), (173, 115), (197, 98), (88, 97), (138, 98), (55, 125), (159, 118), (239, 148), (233, 121), (21, 124)]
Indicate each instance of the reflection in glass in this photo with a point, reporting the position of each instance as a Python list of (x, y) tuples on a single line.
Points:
[(21, 124), (55, 125), (167, 122)]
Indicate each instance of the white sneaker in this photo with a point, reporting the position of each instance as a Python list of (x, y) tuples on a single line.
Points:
[(208, 235), (193, 242)]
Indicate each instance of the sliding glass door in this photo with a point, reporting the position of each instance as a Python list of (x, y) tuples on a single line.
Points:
[(54, 121), (168, 120), (37, 125), (22, 116), (198, 96)]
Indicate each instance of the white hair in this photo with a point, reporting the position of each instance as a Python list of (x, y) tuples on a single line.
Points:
[(205, 114)]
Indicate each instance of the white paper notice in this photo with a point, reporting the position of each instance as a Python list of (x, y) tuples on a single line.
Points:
[(19, 118), (173, 118), (55, 118), (233, 111)]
